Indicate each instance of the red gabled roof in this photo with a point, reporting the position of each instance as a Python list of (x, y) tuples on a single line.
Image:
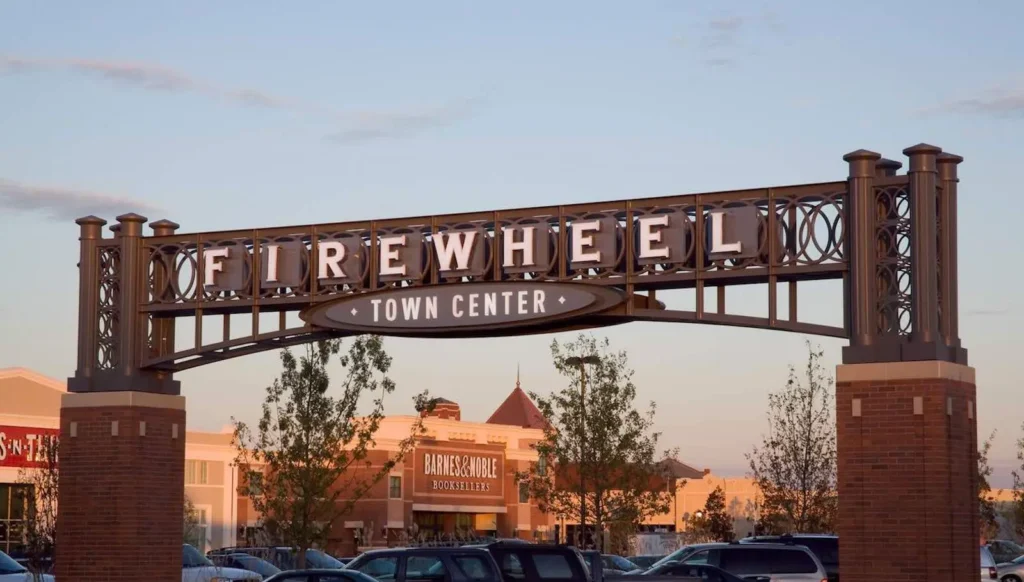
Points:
[(518, 410)]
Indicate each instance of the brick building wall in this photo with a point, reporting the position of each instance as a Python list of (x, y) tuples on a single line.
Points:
[(122, 471), (907, 439)]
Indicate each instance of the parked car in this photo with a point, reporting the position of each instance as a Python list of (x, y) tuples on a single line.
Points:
[(283, 557), (645, 561), (1005, 551), (537, 563), (703, 572), (825, 547), (11, 571), (243, 561), (681, 554), (195, 567), (763, 561), (612, 565), (988, 565), (320, 576), (1012, 571), (428, 565)]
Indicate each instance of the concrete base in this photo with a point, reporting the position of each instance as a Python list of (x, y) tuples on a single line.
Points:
[(907, 444), (122, 465)]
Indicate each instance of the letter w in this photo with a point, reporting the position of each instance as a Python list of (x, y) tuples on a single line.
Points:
[(411, 307), (454, 244)]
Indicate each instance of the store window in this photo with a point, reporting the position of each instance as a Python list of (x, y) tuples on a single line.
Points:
[(395, 487), (464, 521), (199, 532), (14, 501), (196, 473), (254, 481)]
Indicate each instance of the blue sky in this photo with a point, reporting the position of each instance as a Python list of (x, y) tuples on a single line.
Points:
[(245, 114)]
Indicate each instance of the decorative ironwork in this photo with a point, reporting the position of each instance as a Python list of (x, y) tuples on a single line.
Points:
[(893, 259), (861, 230), (109, 307)]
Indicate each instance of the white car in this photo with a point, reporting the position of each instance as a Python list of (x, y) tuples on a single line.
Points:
[(11, 571), (195, 567), (1011, 571)]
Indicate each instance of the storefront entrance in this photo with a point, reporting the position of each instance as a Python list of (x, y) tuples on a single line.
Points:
[(440, 525), (13, 505)]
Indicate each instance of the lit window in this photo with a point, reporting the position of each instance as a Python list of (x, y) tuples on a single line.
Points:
[(395, 487), (254, 479), (196, 473)]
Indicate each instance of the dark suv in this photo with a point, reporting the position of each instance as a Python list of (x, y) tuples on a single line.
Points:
[(427, 565), (825, 547), (283, 558)]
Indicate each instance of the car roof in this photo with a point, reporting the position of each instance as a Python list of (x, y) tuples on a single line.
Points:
[(793, 536), (424, 549)]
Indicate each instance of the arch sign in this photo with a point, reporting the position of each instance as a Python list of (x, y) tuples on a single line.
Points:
[(905, 398), (536, 270)]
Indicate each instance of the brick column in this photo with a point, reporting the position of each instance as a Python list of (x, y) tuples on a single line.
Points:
[(122, 464), (907, 440)]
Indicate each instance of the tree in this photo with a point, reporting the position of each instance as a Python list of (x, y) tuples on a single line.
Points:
[(714, 523), (597, 457), (39, 497), (986, 501), (307, 463), (795, 466), (190, 524), (1017, 506)]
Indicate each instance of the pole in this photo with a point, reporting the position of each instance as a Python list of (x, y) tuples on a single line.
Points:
[(583, 438)]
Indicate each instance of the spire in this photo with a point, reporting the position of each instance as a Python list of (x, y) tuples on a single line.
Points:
[(517, 374)]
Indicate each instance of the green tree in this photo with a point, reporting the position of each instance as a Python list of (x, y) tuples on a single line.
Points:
[(795, 466), (307, 460), (190, 525), (986, 501), (597, 459), (1017, 506), (714, 523), (39, 498)]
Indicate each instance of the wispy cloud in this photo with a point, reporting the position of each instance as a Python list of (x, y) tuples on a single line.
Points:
[(147, 76), (354, 126), (986, 312), (721, 40), (371, 125), (56, 203), (1006, 100)]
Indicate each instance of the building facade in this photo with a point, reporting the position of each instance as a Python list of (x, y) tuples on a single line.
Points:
[(458, 480)]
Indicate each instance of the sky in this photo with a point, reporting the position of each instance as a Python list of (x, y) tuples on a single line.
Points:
[(256, 114)]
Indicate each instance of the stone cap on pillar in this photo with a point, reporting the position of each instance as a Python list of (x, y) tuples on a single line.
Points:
[(862, 163), (947, 164), (922, 157), (131, 224), (91, 226), (164, 227), (885, 167)]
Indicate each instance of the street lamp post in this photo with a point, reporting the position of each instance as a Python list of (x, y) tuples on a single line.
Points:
[(581, 362)]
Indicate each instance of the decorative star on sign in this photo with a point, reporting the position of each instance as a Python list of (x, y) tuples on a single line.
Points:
[(354, 311), (561, 299)]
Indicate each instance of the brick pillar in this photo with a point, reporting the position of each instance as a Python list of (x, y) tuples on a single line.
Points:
[(122, 465), (907, 440)]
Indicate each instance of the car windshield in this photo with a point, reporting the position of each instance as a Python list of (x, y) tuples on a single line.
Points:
[(9, 566), (676, 556), (193, 558), (623, 564), (318, 559), (260, 566)]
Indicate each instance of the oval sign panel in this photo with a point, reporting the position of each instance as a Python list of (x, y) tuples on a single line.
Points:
[(451, 309)]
